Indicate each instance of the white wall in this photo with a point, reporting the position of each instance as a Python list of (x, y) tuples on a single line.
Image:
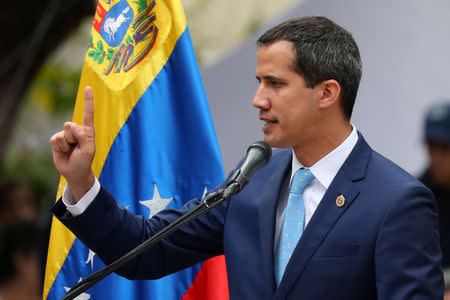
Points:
[(405, 48)]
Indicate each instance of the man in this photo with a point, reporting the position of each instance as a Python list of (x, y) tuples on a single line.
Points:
[(437, 175), (326, 217)]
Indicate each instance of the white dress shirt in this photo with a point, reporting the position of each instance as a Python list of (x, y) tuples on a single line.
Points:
[(324, 172), (85, 201)]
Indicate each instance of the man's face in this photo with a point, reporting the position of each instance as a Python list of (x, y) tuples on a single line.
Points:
[(439, 155), (288, 108)]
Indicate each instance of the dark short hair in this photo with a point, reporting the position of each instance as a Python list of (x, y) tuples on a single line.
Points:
[(437, 123), (324, 51)]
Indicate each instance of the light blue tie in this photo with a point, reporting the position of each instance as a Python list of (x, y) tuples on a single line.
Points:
[(293, 222)]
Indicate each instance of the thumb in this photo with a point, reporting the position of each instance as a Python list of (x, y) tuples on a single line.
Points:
[(86, 139), (75, 131)]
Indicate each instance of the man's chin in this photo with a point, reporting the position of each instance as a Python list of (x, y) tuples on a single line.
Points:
[(274, 143)]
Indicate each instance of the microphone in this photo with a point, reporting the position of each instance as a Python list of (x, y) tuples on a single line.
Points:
[(258, 154)]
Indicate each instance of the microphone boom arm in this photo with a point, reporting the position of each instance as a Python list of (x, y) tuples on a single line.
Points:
[(208, 202), (258, 154)]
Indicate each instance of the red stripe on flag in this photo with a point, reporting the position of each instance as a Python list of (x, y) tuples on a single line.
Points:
[(100, 13), (211, 282)]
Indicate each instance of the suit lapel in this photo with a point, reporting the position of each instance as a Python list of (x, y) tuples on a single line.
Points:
[(326, 214), (267, 213)]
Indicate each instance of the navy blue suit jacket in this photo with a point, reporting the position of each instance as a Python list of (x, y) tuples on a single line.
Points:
[(383, 243)]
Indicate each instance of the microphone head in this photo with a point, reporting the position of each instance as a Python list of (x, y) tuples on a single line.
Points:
[(264, 148), (258, 154)]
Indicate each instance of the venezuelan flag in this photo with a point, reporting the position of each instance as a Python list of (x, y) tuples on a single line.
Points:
[(156, 145)]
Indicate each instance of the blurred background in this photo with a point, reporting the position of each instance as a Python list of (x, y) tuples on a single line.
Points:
[(404, 47), (41, 62)]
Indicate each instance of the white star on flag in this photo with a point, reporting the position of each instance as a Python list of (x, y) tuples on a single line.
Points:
[(205, 192), (83, 296), (156, 204), (91, 258)]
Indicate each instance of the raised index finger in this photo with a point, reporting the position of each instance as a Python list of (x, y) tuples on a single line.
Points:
[(88, 116)]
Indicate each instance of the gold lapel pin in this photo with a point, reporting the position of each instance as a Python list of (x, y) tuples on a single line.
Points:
[(340, 201)]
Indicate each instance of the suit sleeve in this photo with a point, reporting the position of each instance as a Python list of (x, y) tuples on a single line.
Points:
[(108, 229), (407, 254)]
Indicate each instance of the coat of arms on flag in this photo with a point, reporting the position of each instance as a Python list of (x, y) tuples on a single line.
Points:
[(122, 36)]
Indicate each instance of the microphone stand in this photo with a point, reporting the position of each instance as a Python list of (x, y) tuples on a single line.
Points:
[(258, 154), (209, 201)]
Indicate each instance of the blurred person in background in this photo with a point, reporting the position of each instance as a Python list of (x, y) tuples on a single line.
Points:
[(20, 262), (437, 174), (17, 202)]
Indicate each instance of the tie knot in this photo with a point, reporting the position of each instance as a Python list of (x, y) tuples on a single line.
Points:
[(301, 179)]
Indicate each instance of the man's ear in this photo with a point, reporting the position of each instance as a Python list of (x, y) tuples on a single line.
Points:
[(330, 93)]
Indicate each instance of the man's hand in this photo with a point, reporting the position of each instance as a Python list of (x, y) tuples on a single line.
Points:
[(74, 150)]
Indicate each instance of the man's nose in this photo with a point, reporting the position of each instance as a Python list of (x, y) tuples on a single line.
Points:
[(260, 100)]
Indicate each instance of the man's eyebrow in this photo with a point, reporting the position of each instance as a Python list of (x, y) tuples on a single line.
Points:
[(268, 77)]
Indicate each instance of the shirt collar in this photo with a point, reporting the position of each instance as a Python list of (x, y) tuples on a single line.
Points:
[(326, 168)]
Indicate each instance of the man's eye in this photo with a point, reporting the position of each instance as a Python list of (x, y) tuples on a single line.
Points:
[(276, 83)]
